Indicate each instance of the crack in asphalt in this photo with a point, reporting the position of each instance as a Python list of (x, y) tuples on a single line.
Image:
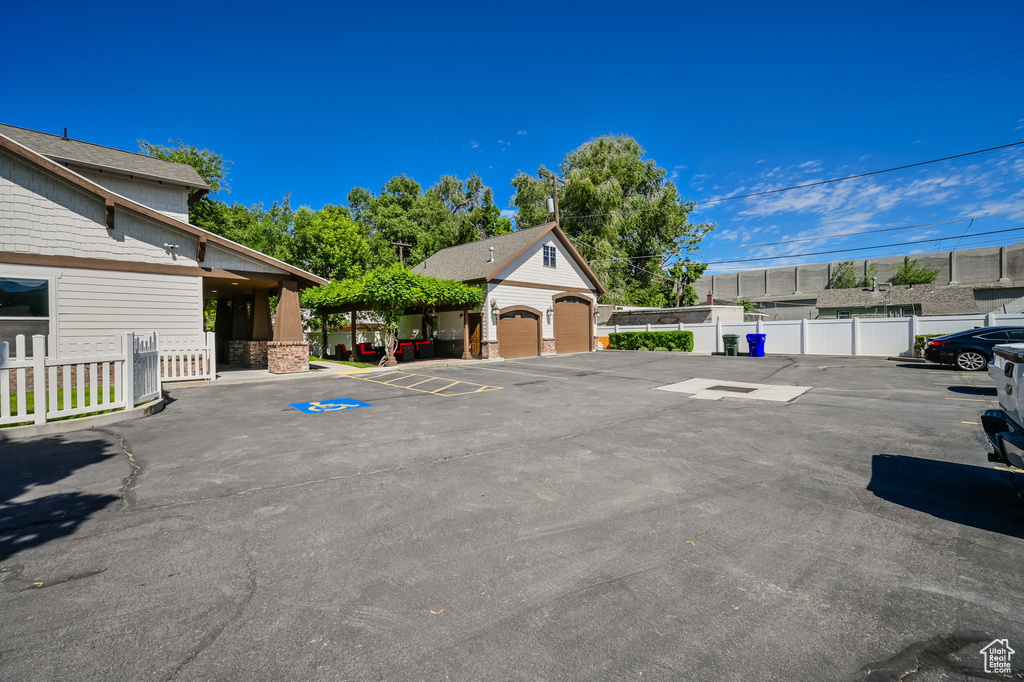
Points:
[(127, 489)]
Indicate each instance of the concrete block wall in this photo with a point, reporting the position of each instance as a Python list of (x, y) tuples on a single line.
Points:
[(985, 265)]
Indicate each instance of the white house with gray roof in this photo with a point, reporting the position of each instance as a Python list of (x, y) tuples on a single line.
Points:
[(95, 241), (540, 295)]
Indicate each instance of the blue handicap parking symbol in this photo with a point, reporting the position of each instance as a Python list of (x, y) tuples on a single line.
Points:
[(333, 405)]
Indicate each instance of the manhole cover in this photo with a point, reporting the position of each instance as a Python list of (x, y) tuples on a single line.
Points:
[(734, 389)]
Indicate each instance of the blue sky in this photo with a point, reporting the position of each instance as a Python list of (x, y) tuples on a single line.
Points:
[(728, 98)]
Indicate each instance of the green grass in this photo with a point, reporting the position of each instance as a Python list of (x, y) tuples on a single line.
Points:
[(30, 403), (314, 358)]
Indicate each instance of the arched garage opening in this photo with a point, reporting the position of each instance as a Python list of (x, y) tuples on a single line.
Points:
[(519, 332), (574, 319)]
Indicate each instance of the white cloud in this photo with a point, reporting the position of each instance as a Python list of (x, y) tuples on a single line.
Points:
[(473, 144), (520, 132), (501, 141), (508, 213)]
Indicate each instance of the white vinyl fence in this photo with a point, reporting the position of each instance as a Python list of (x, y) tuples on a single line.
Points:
[(188, 358), (80, 377), (885, 336)]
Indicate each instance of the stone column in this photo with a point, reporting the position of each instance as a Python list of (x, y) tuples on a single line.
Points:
[(796, 279), (1003, 279), (952, 268), (288, 352)]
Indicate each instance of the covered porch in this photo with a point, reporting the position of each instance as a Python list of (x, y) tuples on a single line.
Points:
[(418, 337), (247, 334)]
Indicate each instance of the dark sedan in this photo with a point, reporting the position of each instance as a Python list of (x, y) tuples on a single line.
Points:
[(970, 350)]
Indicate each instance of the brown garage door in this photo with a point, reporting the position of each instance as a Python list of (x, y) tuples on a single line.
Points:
[(572, 325), (518, 334)]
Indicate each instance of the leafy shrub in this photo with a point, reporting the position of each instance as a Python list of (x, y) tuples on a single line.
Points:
[(662, 348), (675, 340), (922, 339)]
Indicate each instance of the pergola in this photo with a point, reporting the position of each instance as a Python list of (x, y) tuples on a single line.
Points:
[(421, 309), (391, 292)]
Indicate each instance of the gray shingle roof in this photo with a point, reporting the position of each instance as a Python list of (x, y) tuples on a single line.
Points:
[(470, 261), (934, 300), (57, 148)]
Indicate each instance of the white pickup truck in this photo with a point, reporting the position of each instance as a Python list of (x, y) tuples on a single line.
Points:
[(1005, 426)]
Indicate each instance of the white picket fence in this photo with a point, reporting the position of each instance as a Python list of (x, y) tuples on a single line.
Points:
[(188, 358), (884, 336), (81, 377)]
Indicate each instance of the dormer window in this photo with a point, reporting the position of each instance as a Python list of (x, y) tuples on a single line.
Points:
[(549, 256)]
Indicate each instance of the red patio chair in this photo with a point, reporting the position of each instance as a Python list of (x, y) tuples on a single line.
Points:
[(368, 352)]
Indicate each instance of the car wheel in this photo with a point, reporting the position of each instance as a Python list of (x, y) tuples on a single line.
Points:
[(971, 361)]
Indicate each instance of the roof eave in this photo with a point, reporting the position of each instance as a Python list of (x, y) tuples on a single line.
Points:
[(130, 173), (125, 203), (564, 239)]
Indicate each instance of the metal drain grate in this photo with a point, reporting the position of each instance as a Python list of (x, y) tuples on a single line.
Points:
[(734, 389)]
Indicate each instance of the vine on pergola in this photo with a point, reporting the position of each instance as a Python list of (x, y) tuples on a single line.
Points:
[(389, 291)]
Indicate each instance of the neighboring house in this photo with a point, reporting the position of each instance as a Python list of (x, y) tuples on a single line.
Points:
[(896, 301), (95, 241), (540, 296)]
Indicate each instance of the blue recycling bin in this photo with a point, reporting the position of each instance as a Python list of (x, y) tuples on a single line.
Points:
[(756, 344)]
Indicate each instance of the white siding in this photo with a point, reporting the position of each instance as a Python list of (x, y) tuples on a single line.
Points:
[(42, 214), (529, 267), (93, 303), (506, 295), (166, 198)]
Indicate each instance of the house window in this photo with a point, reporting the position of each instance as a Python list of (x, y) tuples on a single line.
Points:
[(549, 256), (843, 315), (24, 308)]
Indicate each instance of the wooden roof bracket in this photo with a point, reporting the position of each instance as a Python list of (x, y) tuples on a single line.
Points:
[(110, 212), (201, 249)]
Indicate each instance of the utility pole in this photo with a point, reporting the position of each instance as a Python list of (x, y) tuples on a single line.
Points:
[(554, 183), (401, 250)]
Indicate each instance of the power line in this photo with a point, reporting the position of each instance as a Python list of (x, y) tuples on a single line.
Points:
[(861, 175), (857, 234), (859, 248), (805, 185)]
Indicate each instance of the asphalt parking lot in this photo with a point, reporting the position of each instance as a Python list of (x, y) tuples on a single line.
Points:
[(568, 522)]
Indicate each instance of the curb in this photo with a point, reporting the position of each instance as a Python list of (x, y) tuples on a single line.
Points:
[(400, 366), (81, 423)]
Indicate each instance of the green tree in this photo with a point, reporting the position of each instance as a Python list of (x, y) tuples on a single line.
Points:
[(329, 243), (845, 276), (909, 272), (451, 212), (747, 304), (684, 273), (627, 218), (389, 291), (211, 167)]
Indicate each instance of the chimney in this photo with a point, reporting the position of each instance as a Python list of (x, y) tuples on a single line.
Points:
[(711, 298), (491, 259), (65, 133)]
